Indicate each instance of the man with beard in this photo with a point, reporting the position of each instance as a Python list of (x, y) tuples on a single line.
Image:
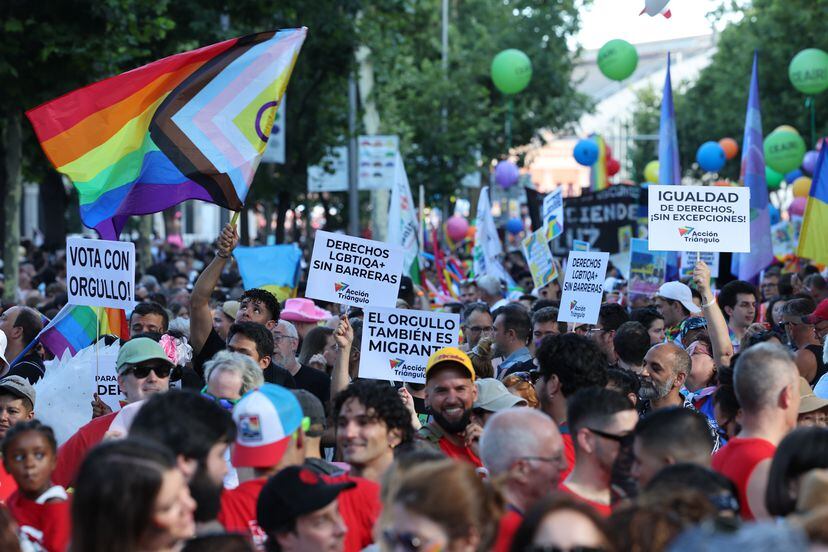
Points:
[(198, 431), (601, 422), (450, 394), (512, 330), (371, 422), (477, 323), (567, 363), (666, 367)]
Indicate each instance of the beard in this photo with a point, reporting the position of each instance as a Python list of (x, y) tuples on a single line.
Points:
[(206, 494), (652, 391), (455, 427)]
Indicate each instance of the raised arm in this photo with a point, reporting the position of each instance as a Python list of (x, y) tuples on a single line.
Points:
[(716, 324), (201, 319), (344, 337)]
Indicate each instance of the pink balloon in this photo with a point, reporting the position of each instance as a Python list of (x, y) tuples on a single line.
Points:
[(457, 227), (797, 207)]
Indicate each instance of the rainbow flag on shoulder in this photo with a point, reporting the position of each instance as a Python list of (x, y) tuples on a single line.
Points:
[(189, 126), (76, 327)]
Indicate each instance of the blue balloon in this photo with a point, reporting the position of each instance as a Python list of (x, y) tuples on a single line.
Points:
[(793, 175), (514, 226), (711, 156), (586, 152), (774, 214)]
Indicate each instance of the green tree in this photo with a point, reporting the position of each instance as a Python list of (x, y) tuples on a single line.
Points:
[(645, 120)]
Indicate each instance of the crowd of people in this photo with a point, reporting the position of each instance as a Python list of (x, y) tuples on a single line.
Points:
[(691, 420)]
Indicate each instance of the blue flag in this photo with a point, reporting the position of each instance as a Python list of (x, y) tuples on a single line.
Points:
[(669, 171), (747, 266), (271, 267)]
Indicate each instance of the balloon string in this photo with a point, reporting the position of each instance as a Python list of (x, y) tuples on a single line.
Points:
[(811, 103)]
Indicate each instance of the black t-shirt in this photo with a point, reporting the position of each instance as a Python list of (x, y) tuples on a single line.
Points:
[(30, 367), (278, 375), (316, 382), (212, 345)]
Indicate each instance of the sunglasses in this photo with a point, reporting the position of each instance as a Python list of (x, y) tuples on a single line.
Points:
[(141, 371), (530, 377), (622, 439), (225, 403)]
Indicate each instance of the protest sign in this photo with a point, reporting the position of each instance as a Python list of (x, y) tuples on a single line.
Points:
[(331, 175), (579, 245), (597, 218), (541, 263), (699, 218), (647, 268), (583, 287), (783, 239), (354, 271), (396, 343), (377, 161), (688, 263), (553, 214), (100, 273)]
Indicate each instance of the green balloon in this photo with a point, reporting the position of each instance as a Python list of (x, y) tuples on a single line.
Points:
[(773, 179), (617, 59), (784, 151), (511, 71), (808, 71)]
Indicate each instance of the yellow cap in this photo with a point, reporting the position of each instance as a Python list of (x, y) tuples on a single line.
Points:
[(452, 355)]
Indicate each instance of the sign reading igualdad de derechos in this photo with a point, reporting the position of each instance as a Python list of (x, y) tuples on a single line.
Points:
[(354, 271), (396, 343), (699, 218)]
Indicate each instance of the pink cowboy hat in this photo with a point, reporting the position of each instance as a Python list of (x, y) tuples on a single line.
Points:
[(303, 310)]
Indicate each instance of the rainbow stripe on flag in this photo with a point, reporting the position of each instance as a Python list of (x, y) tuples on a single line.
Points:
[(812, 242), (598, 179), (189, 126), (76, 327)]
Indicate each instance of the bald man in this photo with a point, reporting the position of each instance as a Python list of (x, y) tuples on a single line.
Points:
[(766, 382), (666, 367), (522, 448)]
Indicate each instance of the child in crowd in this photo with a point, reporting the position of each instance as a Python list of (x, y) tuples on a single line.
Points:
[(40, 509)]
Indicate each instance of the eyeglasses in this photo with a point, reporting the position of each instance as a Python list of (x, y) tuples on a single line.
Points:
[(548, 459), (625, 438), (405, 540), (479, 329), (279, 337), (530, 377), (141, 371), (593, 331)]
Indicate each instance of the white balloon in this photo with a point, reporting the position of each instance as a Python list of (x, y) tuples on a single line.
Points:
[(655, 7)]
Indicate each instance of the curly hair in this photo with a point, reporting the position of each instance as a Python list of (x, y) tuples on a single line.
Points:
[(383, 400), (264, 297), (576, 361), (31, 425)]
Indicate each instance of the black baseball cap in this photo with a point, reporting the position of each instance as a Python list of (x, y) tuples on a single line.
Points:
[(294, 492)]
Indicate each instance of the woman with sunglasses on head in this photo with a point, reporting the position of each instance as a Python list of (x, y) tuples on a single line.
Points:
[(143, 370)]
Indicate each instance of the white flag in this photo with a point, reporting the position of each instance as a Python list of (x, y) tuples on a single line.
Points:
[(403, 229), (487, 247)]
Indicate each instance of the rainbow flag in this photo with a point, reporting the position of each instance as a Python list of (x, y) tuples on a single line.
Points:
[(76, 327), (189, 126), (598, 172), (812, 242)]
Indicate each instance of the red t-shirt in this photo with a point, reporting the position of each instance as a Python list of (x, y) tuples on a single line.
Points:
[(48, 525), (603, 510), (737, 460), (508, 526), (7, 484), (359, 507), (72, 452), (569, 454), (459, 452)]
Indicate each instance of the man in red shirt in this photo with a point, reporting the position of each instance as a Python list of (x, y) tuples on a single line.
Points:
[(449, 395), (567, 363), (143, 370), (521, 448), (766, 382), (601, 422)]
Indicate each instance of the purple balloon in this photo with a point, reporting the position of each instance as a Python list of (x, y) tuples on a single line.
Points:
[(506, 174), (797, 206), (810, 161)]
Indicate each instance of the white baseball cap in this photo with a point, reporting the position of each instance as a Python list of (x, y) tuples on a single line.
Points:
[(266, 419), (677, 291)]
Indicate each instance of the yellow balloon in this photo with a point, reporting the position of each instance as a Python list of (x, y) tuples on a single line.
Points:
[(801, 186), (789, 128), (651, 172)]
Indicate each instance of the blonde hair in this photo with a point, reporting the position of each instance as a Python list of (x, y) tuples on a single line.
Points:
[(522, 388), (481, 358)]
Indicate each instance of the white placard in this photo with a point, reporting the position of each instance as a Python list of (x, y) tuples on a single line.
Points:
[(537, 253), (699, 218), (275, 149), (688, 263), (396, 343), (354, 271), (583, 287), (377, 161), (100, 273), (320, 180), (553, 214)]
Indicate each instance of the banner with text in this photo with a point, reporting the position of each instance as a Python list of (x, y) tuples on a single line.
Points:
[(600, 219), (688, 263), (541, 263), (396, 343), (583, 287), (647, 268), (699, 218), (354, 271), (553, 214), (100, 273)]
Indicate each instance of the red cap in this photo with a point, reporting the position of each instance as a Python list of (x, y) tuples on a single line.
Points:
[(820, 313)]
